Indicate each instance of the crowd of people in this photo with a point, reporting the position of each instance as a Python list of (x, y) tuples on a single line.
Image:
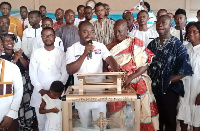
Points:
[(40, 58)]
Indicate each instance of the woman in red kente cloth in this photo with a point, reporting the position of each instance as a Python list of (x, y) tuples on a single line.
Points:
[(135, 59)]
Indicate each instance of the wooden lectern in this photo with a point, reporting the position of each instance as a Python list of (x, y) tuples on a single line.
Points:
[(112, 92)]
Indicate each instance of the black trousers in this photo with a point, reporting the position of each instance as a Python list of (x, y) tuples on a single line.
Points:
[(167, 107)]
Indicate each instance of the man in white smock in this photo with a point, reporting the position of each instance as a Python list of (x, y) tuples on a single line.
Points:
[(47, 64)]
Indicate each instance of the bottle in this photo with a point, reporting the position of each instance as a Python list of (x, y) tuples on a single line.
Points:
[(129, 121)]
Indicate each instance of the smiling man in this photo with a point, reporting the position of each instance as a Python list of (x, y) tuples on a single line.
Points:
[(59, 14), (77, 61), (69, 32), (47, 64), (169, 66), (129, 52)]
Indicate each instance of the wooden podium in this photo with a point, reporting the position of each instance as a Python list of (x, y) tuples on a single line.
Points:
[(112, 92)]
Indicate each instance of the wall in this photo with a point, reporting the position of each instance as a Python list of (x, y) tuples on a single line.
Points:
[(117, 6)]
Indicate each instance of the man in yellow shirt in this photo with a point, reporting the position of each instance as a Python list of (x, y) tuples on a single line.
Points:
[(15, 24)]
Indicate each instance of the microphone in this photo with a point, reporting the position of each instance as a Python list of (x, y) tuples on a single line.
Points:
[(90, 53)]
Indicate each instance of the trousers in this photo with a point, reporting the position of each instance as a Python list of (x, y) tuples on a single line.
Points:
[(167, 107)]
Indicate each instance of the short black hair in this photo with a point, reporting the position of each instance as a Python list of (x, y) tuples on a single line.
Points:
[(42, 6), (147, 5), (163, 10), (180, 11), (82, 23), (88, 7), (47, 18), (98, 4), (5, 3), (35, 12), (23, 7), (79, 7), (48, 28), (60, 9), (57, 86), (197, 24), (198, 12), (142, 11)]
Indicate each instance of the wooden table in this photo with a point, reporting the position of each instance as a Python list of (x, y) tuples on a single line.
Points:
[(100, 96)]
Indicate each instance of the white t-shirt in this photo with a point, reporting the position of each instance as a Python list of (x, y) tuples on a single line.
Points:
[(94, 65), (77, 21), (146, 36), (28, 35)]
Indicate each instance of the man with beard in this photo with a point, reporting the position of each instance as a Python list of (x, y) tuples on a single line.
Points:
[(103, 27), (37, 41), (4, 27), (43, 11), (107, 11), (77, 62), (59, 14), (47, 64), (69, 32), (31, 32)]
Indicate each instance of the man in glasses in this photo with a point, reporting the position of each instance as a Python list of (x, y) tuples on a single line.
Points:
[(47, 64)]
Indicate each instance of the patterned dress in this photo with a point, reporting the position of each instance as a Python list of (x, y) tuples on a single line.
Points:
[(131, 54)]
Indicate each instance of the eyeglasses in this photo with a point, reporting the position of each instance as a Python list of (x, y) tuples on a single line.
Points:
[(47, 36)]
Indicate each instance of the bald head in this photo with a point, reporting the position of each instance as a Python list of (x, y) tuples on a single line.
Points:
[(161, 12), (121, 23), (83, 24), (69, 17), (163, 25), (166, 17), (69, 11), (120, 30)]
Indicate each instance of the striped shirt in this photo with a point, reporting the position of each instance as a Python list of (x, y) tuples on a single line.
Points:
[(105, 33)]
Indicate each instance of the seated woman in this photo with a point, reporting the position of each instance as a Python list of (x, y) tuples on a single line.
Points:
[(135, 59), (26, 113)]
